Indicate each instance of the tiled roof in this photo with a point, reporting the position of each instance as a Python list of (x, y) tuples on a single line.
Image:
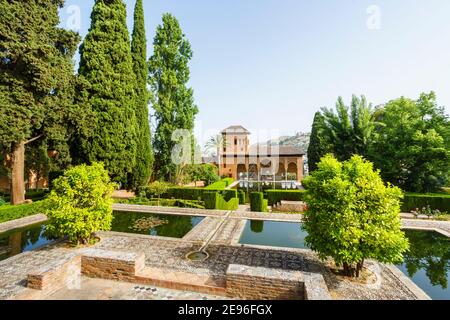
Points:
[(275, 150), (236, 129)]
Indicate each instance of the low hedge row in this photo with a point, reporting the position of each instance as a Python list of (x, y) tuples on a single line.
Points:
[(220, 185), (219, 201), (436, 201), (228, 199), (275, 196), (257, 202)]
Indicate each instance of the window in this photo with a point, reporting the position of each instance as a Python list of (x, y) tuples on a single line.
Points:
[(235, 141)]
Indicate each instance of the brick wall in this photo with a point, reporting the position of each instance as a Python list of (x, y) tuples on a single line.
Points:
[(256, 283), (112, 265)]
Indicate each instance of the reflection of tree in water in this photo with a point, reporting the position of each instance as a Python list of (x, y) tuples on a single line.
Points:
[(177, 227), (429, 251), (31, 236), (257, 226)]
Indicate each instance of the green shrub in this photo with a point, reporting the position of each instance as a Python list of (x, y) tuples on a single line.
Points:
[(242, 196), (436, 201), (275, 196), (220, 185), (80, 203), (257, 202), (2, 202), (9, 212), (220, 201), (352, 215)]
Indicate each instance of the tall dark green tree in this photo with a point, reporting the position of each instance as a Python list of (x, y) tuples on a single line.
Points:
[(318, 146), (36, 83), (106, 68), (171, 98), (144, 154)]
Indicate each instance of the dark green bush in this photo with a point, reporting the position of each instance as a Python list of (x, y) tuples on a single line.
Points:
[(220, 200), (436, 201), (241, 196), (275, 196), (257, 202)]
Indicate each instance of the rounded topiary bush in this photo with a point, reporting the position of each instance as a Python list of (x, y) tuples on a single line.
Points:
[(80, 203), (353, 215)]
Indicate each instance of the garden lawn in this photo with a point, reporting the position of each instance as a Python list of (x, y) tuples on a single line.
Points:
[(9, 212)]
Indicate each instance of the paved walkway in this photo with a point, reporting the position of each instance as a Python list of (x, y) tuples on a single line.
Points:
[(99, 289)]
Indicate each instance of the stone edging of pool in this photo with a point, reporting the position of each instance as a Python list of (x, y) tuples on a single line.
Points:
[(22, 222)]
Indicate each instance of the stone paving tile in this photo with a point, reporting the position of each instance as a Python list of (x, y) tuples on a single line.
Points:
[(14, 271), (99, 289)]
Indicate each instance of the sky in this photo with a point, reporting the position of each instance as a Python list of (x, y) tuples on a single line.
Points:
[(269, 65)]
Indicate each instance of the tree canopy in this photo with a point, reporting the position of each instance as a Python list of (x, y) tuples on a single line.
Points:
[(106, 67), (144, 154), (37, 83), (352, 215), (171, 99)]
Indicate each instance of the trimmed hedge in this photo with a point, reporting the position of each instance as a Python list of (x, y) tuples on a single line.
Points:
[(219, 201), (242, 196), (220, 185), (436, 201), (275, 196), (228, 199), (257, 202)]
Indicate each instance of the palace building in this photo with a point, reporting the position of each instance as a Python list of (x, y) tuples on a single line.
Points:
[(239, 159)]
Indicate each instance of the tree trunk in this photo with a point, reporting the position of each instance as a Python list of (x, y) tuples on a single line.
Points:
[(17, 173)]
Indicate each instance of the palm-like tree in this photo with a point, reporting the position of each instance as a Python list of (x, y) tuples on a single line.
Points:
[(214, 145)]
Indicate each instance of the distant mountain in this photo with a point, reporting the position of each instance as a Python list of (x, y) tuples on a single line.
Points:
[(300, 140)]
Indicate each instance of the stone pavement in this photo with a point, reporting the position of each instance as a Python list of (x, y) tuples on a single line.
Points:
[(99, 289), (167, 255)]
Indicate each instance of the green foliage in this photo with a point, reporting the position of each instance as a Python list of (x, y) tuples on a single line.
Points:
[(257, 202), (144, 153), (226, 199), (220, 201), (202, 172), (318, 144), (172, 100), (2, 202), (349, 130), (106, 68), (37, 82), (436, 201), (181, 203), (412, 147), (157, 188), (275, 196), (9, 212), (242, 196), (352, 215), (80, 203), (221, 185)]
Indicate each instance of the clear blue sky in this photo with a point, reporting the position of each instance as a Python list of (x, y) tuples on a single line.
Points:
[(271, 64)]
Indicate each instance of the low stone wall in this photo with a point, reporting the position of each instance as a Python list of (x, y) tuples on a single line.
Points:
[(55, 275), (112, 265), (257, 283)]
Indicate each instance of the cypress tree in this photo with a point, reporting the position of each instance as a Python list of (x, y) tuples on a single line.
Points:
[(317, 143), (109, 90), (36, 84), (144, 155), (171, 98)]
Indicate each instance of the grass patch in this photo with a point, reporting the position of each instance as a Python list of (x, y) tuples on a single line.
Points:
[(9, 212)]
